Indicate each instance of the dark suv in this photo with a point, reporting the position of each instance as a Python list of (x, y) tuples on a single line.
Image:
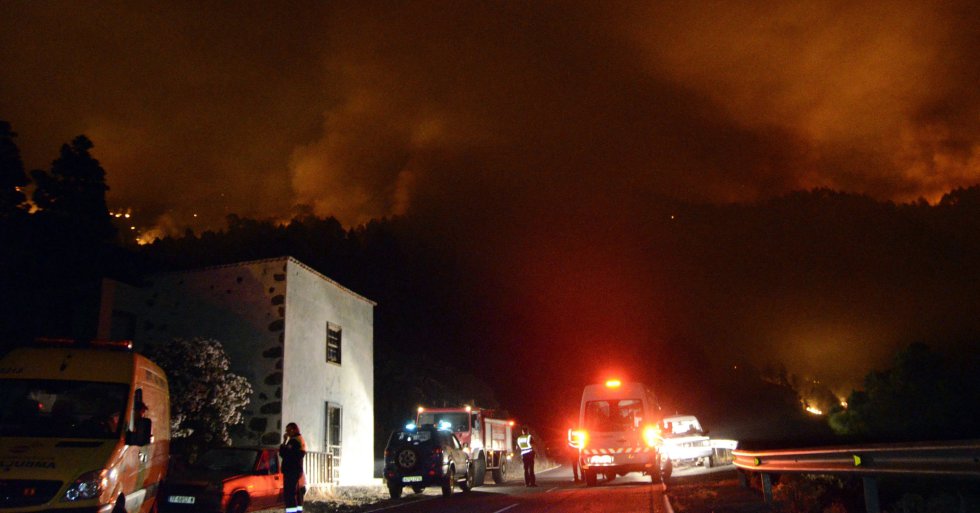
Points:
[(426, 456)]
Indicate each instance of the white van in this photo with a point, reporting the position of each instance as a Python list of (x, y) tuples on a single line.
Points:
[(619, 431)]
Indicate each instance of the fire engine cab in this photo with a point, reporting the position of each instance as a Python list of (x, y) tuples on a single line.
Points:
[(619, 432), (487, 440)]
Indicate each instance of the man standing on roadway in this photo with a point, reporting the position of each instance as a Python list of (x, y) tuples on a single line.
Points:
[(574, 447), (527, 456)]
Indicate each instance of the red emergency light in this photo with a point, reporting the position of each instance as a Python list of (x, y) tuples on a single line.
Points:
[(613, 383), (124, 345)]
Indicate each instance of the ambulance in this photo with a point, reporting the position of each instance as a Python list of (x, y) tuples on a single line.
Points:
[(619, 432), (83, 428)]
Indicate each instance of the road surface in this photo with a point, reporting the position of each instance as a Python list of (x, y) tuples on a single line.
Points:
[(555, 493)]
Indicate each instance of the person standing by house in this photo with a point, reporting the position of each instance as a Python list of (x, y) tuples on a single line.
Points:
[(526, 444), (291, 451)]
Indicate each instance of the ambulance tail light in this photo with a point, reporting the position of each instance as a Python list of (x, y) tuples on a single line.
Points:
[(579, 438), (652, 436)]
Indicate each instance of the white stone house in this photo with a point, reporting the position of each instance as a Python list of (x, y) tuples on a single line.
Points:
[(304, 342)]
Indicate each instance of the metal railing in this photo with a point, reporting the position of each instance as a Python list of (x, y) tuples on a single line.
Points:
[(956, 459), (319, 469)]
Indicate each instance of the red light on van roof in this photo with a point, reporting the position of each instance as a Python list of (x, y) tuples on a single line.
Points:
[(126, 345), (613, 383), (114, 344)]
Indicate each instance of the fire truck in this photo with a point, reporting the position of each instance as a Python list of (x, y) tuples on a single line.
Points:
[(486, 439)]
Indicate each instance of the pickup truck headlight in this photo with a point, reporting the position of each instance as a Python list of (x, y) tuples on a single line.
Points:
[(88, 486)]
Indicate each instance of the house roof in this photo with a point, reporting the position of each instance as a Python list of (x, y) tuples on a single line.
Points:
[(279, 259)]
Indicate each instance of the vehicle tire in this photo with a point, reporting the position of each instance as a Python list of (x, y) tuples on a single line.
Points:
[(467, 484), (591, 478), (238, 503), (395, 491), (418, 488), (449, 483), (480, 472), (499, 473)]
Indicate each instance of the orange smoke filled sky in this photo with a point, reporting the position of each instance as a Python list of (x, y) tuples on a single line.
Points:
[(542, 130), (367, 109)]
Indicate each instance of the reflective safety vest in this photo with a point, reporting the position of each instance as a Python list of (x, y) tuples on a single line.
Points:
[(524, 443)]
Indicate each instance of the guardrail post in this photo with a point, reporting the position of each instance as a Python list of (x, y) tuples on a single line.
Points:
[(767, 488), (871, 494)]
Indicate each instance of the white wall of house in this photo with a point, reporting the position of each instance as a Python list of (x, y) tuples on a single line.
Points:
[(310, 382), (271, 316)]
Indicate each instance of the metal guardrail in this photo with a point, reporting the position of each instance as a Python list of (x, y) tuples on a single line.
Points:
[(318, 467), (955, 459)]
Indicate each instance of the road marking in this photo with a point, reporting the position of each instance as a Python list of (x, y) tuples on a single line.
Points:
[(551, 489), (505, 509), (548, 469), (403, 504)]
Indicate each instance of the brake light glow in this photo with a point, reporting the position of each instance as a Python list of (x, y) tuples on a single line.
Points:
[(613, 383), (651, 435), (578, 439)]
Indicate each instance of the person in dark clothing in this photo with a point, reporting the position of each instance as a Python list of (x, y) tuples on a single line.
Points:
[(291, 451), (574, 448)]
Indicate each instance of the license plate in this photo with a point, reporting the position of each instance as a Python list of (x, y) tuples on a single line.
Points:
[(604, 459), (412, 479), (180, 499)]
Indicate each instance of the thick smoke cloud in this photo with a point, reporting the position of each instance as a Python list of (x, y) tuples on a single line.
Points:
[(362, 109), (535, 138)]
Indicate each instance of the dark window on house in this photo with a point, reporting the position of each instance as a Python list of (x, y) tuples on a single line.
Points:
[(332, 442), (333, 343)]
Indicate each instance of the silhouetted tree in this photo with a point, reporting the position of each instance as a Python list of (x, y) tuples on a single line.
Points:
[(12, 176), (923, 396), (74, 191), (205, 396)]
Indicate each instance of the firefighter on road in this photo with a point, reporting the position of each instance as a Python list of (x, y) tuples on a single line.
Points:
[(526, 445)]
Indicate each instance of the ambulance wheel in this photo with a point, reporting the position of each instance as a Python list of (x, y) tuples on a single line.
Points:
[(449, 483), (238, 503), (591, 479), (480, 474), (395, 491), (498, 473)]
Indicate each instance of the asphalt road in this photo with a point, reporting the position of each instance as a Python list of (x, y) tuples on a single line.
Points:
[(555, 493)]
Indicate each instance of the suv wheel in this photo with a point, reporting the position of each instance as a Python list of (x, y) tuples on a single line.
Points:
[(395, 490), (468, 483), (449, 483)]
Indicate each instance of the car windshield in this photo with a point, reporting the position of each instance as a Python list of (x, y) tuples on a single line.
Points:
[(62, 409), (458, 420), (614, 415), (235, 460), (682, 427)]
